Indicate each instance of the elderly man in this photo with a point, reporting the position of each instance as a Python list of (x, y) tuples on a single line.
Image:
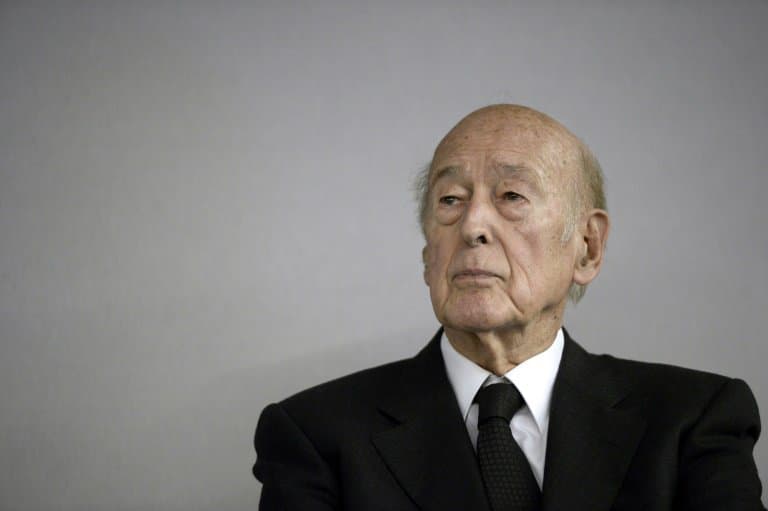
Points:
[(502, 410)]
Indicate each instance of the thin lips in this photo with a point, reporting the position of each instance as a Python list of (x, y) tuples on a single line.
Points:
[(474, 273)]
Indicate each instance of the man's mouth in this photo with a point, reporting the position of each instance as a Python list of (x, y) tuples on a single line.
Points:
[(473, 274)]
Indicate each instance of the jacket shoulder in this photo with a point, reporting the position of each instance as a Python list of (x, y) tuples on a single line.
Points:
[(667, 386), (342, 396), (653, 371)]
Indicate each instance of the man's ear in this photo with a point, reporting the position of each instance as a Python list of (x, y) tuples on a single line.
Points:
[(424, 257), (593, 235)]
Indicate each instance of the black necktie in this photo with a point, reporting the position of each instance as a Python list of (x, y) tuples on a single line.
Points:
[(507, 476)]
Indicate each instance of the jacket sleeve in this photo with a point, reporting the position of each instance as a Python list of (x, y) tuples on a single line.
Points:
[(293, 474), (717, 470)]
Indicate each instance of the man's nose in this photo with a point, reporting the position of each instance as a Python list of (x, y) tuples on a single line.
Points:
[(477, 223)]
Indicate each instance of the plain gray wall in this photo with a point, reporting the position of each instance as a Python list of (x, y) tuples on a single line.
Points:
[(205, 207)]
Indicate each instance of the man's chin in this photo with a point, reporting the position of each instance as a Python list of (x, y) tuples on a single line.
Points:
[(480, 321)]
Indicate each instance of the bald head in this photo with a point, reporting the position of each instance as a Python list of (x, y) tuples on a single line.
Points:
[(494, 123), (560, 150), (563, 162)]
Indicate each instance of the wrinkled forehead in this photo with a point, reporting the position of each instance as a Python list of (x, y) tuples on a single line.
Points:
[(547, 157), (514, 137)]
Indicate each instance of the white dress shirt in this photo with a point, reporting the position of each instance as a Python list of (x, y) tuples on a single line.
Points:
[(534, 378)]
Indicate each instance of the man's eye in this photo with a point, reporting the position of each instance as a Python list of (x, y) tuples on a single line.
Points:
[(511, 196), (449, 200)]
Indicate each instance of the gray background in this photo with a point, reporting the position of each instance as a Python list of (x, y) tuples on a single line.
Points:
[(204, 208)]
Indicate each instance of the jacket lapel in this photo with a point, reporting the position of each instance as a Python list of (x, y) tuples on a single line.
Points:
[(428, 450), (591, 438), (591, 441)]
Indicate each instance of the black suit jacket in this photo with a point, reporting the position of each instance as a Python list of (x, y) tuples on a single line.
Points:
[(623, 435)]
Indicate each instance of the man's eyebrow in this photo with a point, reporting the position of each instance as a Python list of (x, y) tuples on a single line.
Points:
[(448, 171), (520, 170), (510, 168), (502, 168)]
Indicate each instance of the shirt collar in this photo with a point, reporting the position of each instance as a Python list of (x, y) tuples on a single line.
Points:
[(534, 378)]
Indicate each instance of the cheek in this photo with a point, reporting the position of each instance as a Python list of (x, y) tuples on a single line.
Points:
[(435, 261), (523, 251), (533, 258)]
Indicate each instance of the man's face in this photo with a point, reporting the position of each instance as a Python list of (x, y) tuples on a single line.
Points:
[(501, 187)]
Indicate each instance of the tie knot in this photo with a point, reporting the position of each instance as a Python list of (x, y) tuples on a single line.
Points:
[(498, 400)]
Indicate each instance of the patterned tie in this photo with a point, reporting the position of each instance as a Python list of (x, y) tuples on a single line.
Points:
[(507, 476)]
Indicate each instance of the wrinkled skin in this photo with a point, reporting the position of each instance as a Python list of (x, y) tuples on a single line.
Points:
[(505, 237)]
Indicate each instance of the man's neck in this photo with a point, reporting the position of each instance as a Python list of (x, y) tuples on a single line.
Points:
[(499, 351)]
